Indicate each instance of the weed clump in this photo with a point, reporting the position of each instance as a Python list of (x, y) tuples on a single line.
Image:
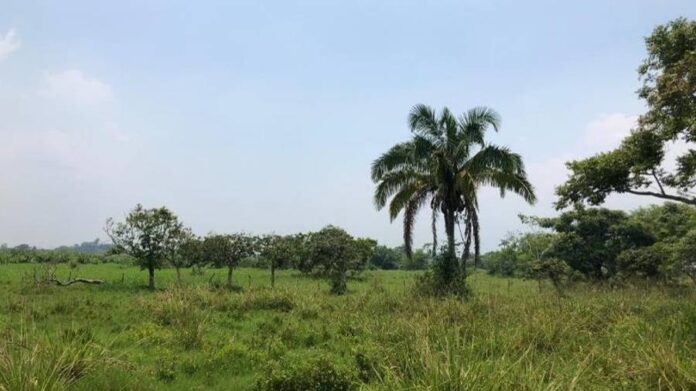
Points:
[(319, 372)]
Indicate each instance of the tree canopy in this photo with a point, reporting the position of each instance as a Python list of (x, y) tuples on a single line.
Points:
[(638, 166)]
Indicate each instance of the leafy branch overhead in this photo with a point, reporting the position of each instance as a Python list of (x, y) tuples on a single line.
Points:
[(639, 166)]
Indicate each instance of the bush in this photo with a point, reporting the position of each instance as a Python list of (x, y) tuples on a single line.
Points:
[(645, 262), (685, 254), (443, 279), (303, 373)]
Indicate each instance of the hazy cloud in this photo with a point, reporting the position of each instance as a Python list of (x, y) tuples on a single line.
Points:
[(8, 43), (74, 86), (608, 130)]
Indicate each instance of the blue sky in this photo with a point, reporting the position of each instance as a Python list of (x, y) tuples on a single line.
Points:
[(265, 116)]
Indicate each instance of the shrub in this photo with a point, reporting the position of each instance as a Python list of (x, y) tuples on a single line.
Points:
[(685, 254), (302, 373), (645, 262)]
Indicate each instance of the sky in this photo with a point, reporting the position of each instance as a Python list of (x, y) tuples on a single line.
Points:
[(265, 116)]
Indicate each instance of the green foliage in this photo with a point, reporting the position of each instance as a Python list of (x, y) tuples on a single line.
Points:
[(333, 252), (506, 335), (419, 260), (685, 254), (29, 363), (668, 222), (226, 251), (589, 240), (669, 87), (151, 236), (308, 372), (386, 258), (650, 262)]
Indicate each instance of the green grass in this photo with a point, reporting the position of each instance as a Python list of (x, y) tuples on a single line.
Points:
[(508, 335)]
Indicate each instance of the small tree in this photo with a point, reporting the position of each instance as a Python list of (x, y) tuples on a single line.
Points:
[(151, 236), (280, 251), (227, 251), (333, 250), (191, 253)]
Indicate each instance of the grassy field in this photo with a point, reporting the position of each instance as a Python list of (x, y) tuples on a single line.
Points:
[(508, 335)]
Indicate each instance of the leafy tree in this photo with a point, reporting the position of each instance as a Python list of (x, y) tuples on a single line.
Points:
[(151, 236), (419, 260), (386, 258), (638, 165), (589, 240), (443, 166), (552, 268), (364, 251), (504, 262), (191, 253), (650, 262), (333, 250), (280, 251), (228, 251), (668, 222)]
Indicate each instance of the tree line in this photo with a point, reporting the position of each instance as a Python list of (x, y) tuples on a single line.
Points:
[(156, 238), (655, 243)]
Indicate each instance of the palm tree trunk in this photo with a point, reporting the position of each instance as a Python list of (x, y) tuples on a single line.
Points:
[(476, 229), (467, 243), (449, 231), (434, 228)]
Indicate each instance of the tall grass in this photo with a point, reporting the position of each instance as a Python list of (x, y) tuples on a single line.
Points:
[(507, 334), (29, 362)]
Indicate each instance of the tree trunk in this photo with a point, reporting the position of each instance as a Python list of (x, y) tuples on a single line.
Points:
[(178, 275), (151, 274), (229, 277), (449, 231), (467, 244), (476, 229), (338, 283), (450, 264)]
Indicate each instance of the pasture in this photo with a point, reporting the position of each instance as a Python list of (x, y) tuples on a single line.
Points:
[(509, 334)]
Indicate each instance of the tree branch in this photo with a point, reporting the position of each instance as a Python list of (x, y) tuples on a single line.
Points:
[(659, 184), (664, 196), (70, 282)]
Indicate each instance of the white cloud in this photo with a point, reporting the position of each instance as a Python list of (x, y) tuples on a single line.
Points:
[(607, 131), (74, 86), (8, 43)]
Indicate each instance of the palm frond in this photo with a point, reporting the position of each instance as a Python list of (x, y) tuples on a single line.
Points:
[(397, 156), (505, 181), (410, 212), (496, 158), (393, 182), (423, 119)]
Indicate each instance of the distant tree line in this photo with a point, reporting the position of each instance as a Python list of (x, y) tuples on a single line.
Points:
[(155, 238)]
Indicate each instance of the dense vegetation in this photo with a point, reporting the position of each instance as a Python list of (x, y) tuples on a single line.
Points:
[(598, 244)]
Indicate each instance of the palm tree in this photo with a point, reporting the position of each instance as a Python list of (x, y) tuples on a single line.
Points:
[(443, 166)]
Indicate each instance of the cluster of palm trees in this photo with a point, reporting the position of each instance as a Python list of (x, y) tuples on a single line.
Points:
[(443, 166)]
